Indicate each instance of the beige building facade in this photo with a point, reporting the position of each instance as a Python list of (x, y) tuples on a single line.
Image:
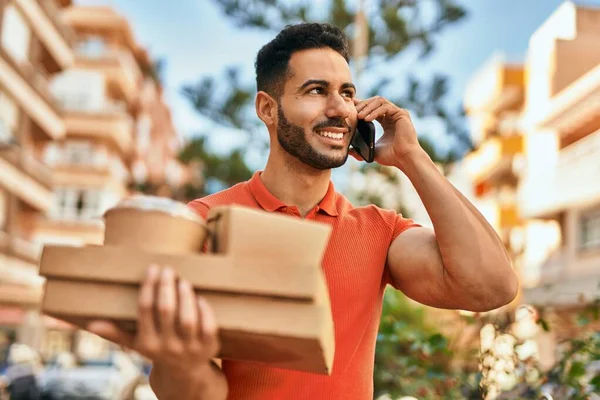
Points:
[(34, 46), (83, 123), (536, 172)]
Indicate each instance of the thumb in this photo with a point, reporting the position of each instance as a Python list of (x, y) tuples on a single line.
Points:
[(109, 331)]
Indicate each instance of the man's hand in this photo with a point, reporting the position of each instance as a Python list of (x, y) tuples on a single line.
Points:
[(176, 331), (399, 135)]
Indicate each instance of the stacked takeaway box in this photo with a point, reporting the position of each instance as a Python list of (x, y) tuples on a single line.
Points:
[(261, 273)]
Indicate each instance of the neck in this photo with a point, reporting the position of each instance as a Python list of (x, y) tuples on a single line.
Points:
[(295, 183)]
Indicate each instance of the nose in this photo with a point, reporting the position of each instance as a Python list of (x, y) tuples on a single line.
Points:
[(338, 106)]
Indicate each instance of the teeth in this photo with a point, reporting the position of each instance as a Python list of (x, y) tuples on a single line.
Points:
[(332, 135)]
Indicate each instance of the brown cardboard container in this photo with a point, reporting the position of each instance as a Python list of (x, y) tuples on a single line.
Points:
[(207, 272), (154, 227), (268, 291), (244, 232), (280, 333)]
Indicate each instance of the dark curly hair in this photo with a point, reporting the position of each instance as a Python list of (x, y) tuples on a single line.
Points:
[(272, 60)]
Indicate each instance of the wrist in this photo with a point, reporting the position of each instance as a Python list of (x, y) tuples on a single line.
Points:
[(412, 159), (170, 383)]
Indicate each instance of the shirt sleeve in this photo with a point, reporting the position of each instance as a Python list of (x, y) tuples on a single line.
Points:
[(199, 207), (401, 224)]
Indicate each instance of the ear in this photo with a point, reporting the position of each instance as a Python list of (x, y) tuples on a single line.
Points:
[(266, 108)]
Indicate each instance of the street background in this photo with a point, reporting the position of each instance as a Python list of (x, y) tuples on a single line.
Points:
[(103, 99)]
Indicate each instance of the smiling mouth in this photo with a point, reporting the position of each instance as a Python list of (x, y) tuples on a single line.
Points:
[(333, 133)]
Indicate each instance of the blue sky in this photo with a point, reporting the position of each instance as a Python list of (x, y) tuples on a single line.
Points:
[(196, 40)]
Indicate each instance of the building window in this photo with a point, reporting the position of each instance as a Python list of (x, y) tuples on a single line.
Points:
[(9, 118), (52, 154), (144, 128), (590, 230), (78, 204), (79, 90), (78, 153), (16, 34), (92, 47)]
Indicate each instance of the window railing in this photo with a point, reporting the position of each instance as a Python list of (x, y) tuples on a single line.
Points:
[(122, 56), (83, 104)]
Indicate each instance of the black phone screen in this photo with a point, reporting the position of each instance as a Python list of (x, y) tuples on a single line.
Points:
[(364, 140)]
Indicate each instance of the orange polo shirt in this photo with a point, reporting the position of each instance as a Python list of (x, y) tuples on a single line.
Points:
[(355, 269)]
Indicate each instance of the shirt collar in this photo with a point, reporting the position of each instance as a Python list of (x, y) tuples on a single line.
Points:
[(271, 203)]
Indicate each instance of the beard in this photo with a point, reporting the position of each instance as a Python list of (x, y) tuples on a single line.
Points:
[(292, 139)]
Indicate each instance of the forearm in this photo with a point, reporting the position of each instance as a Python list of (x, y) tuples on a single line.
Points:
[(206, 383), (474, 257)]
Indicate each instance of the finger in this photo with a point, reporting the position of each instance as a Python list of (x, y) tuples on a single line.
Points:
[(146, 305), (110, 332), (379, 112), (360, 104), (208, 327), (372, 104), (167, 304), (188, 313), (356, 101)]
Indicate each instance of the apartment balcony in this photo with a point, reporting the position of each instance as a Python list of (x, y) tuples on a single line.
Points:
[(498, 86), (500, 210), (20, 283), (574, 112), (554, 268), (25, 251), (572, 182), (72, 232), (120, 69), (20, 295), (110, 124), (58, 38), (25, 177), (80, 175), (566, 281), (494, 161), (29, 87)]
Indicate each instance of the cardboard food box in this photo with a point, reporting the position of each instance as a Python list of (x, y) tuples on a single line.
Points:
[(263, 278)]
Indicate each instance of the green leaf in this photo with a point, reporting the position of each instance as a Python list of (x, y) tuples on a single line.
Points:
[(437, 341), (544, 324), (577, 370), (595, 383)]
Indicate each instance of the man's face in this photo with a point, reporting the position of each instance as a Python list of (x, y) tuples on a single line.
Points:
[(316, 114)]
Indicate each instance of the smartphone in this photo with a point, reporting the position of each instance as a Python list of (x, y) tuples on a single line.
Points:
[(364, 140)]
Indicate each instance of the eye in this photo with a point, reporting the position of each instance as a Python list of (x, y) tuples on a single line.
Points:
[(348, 93), (317, 90)]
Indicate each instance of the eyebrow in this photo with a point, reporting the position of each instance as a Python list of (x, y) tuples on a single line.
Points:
[(321, 82)]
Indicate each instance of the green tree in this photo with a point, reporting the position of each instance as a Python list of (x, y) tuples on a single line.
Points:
[(219, 171), (412, 356), (394, 27)]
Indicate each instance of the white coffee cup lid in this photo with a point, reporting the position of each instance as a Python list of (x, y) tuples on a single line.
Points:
[(160, 204)]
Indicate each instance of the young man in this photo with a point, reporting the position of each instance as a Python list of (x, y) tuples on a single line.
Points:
[(307, 101)]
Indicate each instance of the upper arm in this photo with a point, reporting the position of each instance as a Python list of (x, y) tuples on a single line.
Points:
[(416, 268)]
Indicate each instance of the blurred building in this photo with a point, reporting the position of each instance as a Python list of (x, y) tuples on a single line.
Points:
[(493, 103), (560, 190), (535, 174), (34, 46), (82, 124)]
